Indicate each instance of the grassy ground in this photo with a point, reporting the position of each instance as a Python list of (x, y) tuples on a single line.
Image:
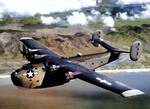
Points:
[(127, 32), (137, 22), (9, 58)]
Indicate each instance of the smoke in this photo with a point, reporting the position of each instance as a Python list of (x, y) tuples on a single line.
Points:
[(1, 15), (146, 14), (50, 20), (18, 8), (142, 15), (108, 21), (77, 18), (2, 11), (124, 16), (81, 18), (22, 8), (95, 12), (132, 1)]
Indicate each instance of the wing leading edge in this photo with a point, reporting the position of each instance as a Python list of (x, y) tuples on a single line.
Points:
[(109, 84), (31, 50)]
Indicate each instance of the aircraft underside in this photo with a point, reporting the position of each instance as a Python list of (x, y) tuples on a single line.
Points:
[(47, 69)]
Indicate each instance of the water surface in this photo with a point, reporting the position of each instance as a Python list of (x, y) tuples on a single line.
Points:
[(76, 95)]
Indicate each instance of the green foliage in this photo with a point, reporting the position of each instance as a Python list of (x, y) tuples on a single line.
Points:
[(127, 31), (105, 6), (26, 20), (6, 21), (9, 20), (128, 34), (31, 20), (2, 23), (95, 25), (146, 51), (5, 58), (121, 67), (137, 22)]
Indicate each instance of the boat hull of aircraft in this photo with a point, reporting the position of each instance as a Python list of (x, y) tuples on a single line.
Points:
[(47, 69)]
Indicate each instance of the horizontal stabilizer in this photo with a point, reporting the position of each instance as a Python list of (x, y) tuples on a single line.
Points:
[(135, 50)]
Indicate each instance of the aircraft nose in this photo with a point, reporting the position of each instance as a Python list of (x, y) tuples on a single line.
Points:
[(15, 79)]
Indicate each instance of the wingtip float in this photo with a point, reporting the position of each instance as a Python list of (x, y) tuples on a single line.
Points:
[(47, 69), (132, 93)]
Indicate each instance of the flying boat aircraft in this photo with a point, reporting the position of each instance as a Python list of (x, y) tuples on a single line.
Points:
[(47, 69)]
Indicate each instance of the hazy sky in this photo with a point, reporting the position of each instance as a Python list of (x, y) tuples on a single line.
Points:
[(31, 7), (132, 1), (43, 6), (22, 8)]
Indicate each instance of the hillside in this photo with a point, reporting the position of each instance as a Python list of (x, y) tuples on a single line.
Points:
[(73, 39), (63, 41)]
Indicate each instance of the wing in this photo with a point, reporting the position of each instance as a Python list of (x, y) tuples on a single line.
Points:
[(109, 84), (104, 81), (74, 70), (31, 50)]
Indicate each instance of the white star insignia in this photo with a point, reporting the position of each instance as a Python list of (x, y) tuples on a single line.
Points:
[(30, 74)]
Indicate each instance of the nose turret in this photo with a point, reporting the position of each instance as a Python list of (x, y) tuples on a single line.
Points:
[(15, 79), (28, 76)]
